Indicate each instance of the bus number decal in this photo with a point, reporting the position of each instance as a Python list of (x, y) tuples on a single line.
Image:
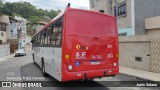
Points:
[(109, 46), (96, 56), (110, 55), (80, 55)]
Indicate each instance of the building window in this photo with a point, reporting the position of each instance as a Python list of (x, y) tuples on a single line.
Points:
[(122, 10), (2, 34), (11, 32), (2, 27)]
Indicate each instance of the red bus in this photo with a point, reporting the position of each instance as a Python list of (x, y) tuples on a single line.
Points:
[(78, 45)]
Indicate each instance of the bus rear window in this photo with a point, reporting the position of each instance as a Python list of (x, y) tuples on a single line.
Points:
[(89, 24)]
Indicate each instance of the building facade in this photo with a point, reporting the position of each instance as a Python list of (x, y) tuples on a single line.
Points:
[(17, 33), (4, 27), (13, 33), (21, 31), (131, 13)]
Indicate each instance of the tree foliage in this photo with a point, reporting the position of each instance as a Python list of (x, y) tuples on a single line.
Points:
[(27, 11)]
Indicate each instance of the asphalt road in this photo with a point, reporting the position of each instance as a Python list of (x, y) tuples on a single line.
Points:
[(23, 69)]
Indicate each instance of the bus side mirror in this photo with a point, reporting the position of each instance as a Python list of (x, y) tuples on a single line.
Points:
[(32, 41)]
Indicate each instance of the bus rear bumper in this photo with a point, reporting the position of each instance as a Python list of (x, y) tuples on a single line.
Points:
[(81, 75)]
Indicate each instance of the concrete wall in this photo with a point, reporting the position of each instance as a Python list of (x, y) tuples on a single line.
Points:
[(97, 5), (4, 50), (145, 9), (152, 23), (152, 26), (4, 19), (4, 37), (143, 46), (132, 47), (154, 33)]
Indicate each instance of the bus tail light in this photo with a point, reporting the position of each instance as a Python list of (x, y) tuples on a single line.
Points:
[(67, 57), (115, 64), (117, 56)]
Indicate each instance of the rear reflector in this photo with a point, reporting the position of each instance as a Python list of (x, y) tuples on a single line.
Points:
[(117, 55), (70, 67), (115, 64), (67, 57)]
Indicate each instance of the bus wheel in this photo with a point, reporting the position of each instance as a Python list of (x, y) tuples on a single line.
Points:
[(43, 69), (33, 59)]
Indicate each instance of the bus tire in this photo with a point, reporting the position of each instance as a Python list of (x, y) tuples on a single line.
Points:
[(33, 59), (43, 69)]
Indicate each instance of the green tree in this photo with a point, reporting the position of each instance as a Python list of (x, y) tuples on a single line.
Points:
[(52, 13), (1, 5), (7, 8), (31, 26), (27, 11)]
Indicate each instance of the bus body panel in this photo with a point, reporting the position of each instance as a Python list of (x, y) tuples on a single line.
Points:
[(56, 61), (52, 59), (91, 41)]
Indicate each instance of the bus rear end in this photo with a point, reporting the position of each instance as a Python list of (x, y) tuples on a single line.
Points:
[(90, 45)]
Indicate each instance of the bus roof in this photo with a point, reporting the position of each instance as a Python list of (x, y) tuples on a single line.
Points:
[(71, 9)]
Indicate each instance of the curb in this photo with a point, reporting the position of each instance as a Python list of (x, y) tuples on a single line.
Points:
[(140, 78)]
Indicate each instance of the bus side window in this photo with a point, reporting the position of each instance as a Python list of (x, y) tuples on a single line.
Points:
[(48, 31), (59, 35), (56, 33), (41, 37), (35, 40), (45, 38), (53, 35), (38, 39)]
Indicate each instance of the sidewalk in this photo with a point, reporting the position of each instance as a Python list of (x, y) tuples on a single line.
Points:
[(140, 74), (28, 48), (6, 57)]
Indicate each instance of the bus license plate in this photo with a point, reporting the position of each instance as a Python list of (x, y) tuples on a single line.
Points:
[(95, 62)]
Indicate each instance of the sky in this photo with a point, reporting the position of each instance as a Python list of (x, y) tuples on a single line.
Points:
[(56, 4)]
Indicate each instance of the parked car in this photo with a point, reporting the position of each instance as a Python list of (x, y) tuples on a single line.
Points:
[(20, 52)]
